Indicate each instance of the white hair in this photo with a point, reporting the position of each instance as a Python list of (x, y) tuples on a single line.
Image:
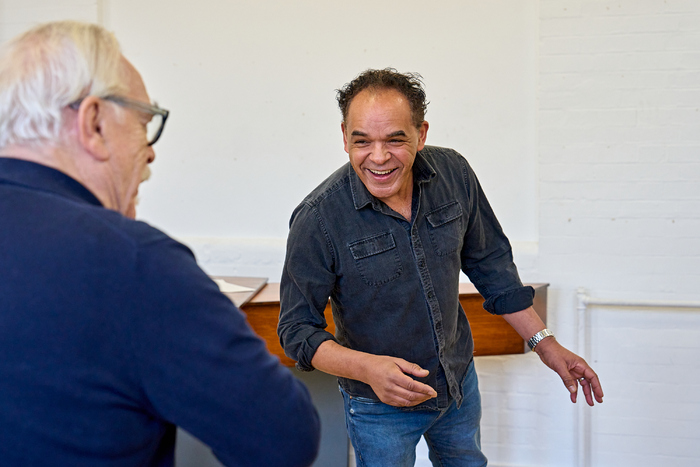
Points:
[(49, 67)]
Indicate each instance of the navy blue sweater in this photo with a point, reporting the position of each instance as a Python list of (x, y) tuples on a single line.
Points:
[(111, 336)]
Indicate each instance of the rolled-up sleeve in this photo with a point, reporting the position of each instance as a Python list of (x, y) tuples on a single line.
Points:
[(306, 284), (487, 256)]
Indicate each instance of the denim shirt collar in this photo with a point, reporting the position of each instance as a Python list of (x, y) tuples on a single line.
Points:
[(423, 172)]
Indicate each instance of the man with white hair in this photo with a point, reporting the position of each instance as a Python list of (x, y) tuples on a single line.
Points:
[(110, 334)]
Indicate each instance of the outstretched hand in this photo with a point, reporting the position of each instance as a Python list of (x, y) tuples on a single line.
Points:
[(390, 380), (572, 369)]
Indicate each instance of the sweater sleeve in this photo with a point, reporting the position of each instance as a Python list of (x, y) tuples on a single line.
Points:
[(204, 369)]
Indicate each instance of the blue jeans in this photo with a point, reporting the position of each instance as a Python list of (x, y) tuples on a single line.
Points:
[(383, 435)]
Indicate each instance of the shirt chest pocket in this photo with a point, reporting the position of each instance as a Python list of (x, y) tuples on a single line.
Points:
[(377, 259), (445, 228)]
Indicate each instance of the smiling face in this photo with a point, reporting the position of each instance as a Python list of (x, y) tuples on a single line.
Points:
[(382, 143)]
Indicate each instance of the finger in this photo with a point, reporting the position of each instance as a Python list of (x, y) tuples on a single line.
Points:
[(413, 402), (570, 383), (399, 402), (411, 368), (573, 395), (421, 389), (400, 397), (411, 390), (596, 387), (411, 384), (586, 386), (590, 383)]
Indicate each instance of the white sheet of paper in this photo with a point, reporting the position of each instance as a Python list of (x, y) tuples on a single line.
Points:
[(228, 287)]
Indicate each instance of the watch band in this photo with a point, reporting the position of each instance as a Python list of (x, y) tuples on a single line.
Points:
[(534, 340)]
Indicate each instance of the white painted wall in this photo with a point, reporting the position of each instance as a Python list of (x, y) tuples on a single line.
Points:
[(251, 85), (580, 116)]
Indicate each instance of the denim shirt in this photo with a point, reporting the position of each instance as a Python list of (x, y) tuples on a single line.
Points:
[(394, 285)]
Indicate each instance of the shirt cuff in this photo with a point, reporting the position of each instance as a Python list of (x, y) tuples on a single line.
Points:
[(308, 348), (510, 301)]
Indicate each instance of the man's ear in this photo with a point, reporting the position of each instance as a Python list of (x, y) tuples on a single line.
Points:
[(422, 134), (345, 138), (91, 121)]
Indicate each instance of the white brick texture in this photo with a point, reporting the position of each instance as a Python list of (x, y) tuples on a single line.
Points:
[(619, 139)]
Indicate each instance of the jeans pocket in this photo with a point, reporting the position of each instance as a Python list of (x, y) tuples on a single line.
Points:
[(377, 259), (445, 228), (365, 400)]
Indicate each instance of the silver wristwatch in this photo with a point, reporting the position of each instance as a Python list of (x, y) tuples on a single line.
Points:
[(534, 340)]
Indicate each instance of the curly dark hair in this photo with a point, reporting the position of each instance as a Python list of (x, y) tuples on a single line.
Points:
[(408, 84)]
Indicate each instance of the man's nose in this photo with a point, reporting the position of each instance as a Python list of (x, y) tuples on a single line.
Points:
[(379, 154), (151, 154)]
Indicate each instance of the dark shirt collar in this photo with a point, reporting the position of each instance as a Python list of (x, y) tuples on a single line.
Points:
[(40, 177), (423, 172)]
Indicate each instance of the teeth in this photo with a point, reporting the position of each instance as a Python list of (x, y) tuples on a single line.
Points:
[(380, 172)]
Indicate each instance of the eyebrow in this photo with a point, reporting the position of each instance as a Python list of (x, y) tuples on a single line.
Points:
[(390, 135)]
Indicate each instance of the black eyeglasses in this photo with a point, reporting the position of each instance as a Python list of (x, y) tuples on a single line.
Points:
[(154, 128)]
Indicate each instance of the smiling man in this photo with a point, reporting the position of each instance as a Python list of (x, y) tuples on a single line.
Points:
[(385, 237), (111, 336)]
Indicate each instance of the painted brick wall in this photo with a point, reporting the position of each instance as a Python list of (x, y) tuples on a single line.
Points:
[(619, 138)]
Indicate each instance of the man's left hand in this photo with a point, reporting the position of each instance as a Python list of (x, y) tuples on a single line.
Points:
[(572, 369)]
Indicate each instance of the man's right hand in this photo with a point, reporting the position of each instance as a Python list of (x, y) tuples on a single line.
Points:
[(389, 379), (388, 376)]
